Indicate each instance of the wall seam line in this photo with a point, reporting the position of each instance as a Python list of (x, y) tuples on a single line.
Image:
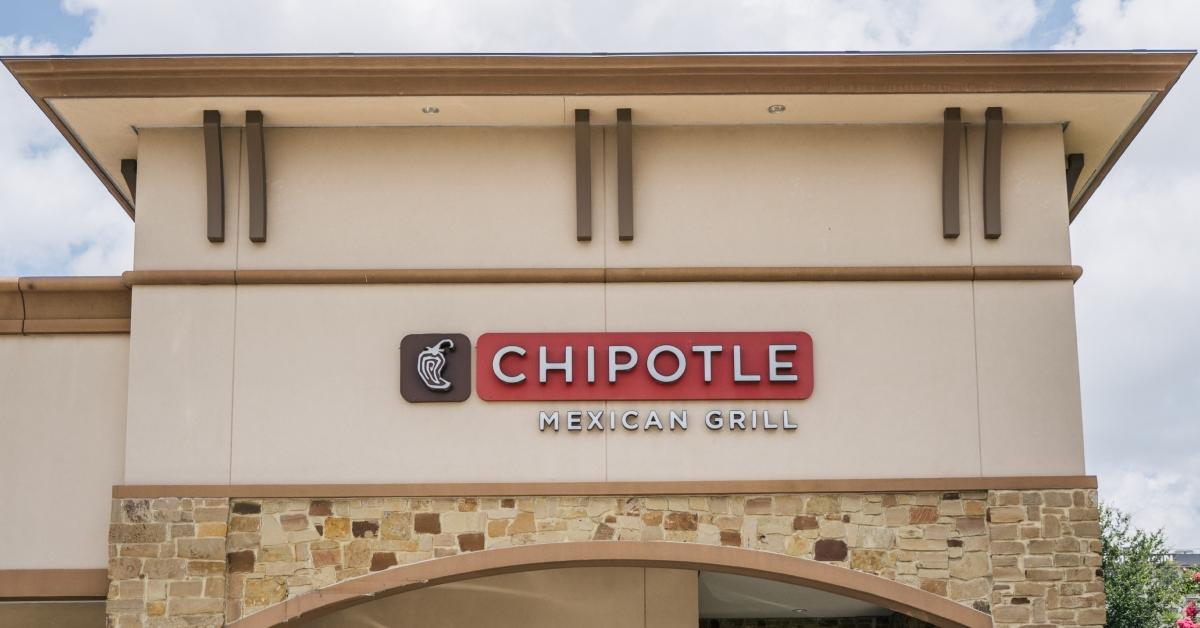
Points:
[(645, 615), (974, 303), (604, 260), (237, 247)]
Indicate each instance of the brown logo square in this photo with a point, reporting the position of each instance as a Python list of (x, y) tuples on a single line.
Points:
[(435, 367)]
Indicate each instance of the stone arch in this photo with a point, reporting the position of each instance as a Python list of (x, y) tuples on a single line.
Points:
[(897, 597)]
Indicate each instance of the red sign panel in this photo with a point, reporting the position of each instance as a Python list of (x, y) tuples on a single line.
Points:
[(644, 366)]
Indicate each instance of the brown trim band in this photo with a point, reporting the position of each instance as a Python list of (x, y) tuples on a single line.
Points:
[(64, 305), (53, 584), (923, 605), (511, 489), (600, 74), (600, 275)]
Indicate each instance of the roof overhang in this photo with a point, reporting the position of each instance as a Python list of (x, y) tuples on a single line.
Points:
[(1102, 99)]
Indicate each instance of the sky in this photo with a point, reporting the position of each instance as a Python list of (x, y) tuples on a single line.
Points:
[(1138, 301)]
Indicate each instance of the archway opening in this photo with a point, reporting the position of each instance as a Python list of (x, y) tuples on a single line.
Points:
[(687, 557), (602, 597)]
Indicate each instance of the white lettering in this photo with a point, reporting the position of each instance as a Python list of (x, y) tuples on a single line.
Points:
[(738, 376), (712, 420), (653, 368), (499, 372), (545, 420), (775, 364), (625, 419), (679, 419), (614, 366), (574, 421), (787, 425), (591, 364), (708, 351), (544, 366), (767, 424), (594, 420), (652, 420), (737, 419)]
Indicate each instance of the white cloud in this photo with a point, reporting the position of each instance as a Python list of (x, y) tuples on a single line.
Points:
[(1137, 303), (56, 216), (1159, 501), (1131, 24), (141, 26)]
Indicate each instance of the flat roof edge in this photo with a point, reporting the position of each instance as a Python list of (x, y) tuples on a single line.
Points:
[(692, 73), (308, 75)]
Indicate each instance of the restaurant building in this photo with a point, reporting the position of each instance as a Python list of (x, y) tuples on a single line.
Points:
[(589, 340)]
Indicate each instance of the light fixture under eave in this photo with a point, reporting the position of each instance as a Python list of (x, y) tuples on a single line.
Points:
[(431, 109), (800, 610), (776, 109)]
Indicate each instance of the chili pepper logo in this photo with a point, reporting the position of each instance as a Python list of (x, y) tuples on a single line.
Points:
[(432, 362)]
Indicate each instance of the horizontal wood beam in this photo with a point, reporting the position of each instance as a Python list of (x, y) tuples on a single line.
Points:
[(624, 174), (129, 173), (993, 137), (256, 171), (214, 169), (1074, 167), (583, 175), (952, 140)]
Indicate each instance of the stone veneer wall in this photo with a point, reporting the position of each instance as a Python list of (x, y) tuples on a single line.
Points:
[(166, 562), (1027, 557)]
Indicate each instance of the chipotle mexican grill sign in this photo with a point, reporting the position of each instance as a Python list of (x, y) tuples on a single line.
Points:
[(616, 366)]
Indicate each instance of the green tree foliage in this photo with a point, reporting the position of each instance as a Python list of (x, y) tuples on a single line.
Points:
[(1143, 586)]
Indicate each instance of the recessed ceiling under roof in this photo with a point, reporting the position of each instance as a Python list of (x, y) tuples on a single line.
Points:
[(730, 596), (1102, 98)]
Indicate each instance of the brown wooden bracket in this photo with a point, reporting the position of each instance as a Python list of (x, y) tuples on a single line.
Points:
[(583, 175), (1074, 167), (993, 135), (256, 161), (952, 134), (215, 170), (624, 174), (129, 173)]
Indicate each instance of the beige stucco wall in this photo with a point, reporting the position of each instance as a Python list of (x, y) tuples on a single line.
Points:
[(300, 384), (505, 197), (1028, 369), (171, 230), (180, 384), (585, 597), (62, 403)]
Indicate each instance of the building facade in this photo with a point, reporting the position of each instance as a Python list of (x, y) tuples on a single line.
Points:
[(660, 340)]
